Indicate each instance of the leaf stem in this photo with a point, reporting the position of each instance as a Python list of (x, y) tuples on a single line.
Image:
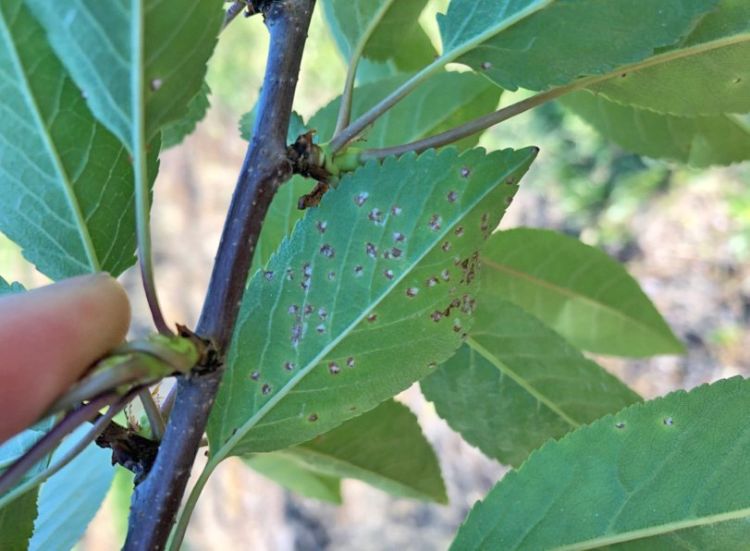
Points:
[(140, 168), (178, 534), (155, 420), (341, 139), (468, 128), (100, 425), (48, 442), (345, 108)]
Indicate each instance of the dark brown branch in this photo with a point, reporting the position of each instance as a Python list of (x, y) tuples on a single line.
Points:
[(157, 499)]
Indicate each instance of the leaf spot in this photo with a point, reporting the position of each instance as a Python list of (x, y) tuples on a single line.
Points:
[(452, 196), (327, 251), (312, 417), (350, 362), (396, 210), (372, 250), (322, 225), (465, 172), (620, 425), (388, 274), (331, 276), (289, 366), (411, 292), (255, 375), (268, 275), (358, 270), (334, 368), (435, 222), (431, 282), (361, 198), (156, 84), (321, 328), (459, 231), (399, 237), (372, 317), (446, 246), (669, 421), (445, 275), (376, 216), (266, 389), (486, 65)]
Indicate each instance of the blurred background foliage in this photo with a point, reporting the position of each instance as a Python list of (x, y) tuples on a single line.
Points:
[(685, 234)]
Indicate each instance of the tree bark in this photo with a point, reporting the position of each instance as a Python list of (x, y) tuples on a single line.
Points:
[(157, 499)]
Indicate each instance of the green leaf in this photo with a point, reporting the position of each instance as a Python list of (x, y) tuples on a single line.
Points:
[(141, 59), (381, 29), (17, 522), (536, 44), (320, 334), (69, 500), (294, 476), (577, 290), (384, 447), (8, 288), (667, 474), (515, 384), (697, 141), (297, 126), (175, 132), (67, 181), (443, 102), (705, 74)]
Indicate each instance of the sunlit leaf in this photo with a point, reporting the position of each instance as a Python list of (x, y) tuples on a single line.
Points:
[(515, 384), (381, 258), (577, 290), (666, 474)]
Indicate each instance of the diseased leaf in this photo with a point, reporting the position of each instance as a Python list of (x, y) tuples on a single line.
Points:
[(666, 474), (382, 29), (379, 259), (577, 290), (175, 132), (17, 522), (69, 500), (537, 44), (66, 182), (384, 447), (705, 74), (296, 477), (443, 102), (99, 43), (515, 384), (697, 141)]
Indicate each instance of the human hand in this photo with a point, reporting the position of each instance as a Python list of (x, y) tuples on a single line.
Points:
[(49, 337)]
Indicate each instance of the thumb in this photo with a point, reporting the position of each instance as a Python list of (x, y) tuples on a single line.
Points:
[(49, 337)]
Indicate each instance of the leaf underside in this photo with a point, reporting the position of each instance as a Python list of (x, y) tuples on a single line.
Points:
[(577, 290), (666, 474), (384, 447), (391, 252), (697, 141)]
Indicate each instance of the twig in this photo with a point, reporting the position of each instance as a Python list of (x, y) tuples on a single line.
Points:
[(156, 500), (232, 12)]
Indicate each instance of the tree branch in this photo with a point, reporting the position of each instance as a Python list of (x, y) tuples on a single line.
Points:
[(157, 499)]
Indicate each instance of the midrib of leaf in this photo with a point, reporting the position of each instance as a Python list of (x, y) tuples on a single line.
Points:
[(563, 291), (659, 530), (138, 135), (487, 355), (49, 145), (295, 379), (447, 57), (362, 42)]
